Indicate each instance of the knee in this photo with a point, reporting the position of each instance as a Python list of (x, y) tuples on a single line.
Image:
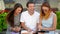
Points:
[(24, 33), (40, 33)]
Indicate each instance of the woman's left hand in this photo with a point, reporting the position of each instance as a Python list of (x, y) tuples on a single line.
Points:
[(39, 27), (17, 29)]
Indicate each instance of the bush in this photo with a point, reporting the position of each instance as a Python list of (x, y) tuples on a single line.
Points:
[(58, 19), (3, 24)]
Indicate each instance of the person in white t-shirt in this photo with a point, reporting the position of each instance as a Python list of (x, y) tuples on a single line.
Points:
[(29, 19)]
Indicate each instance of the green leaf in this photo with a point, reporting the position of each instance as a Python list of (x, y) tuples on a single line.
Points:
[(3, 24)]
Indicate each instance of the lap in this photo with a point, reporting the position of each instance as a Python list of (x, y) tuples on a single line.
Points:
[(26, 32), (11, 32)]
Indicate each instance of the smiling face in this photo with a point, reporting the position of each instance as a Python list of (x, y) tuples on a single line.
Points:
[(18, 10), (45, 9), (31, 8)]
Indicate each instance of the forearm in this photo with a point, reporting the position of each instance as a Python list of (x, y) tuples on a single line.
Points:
[(49, 29), (24, 27)]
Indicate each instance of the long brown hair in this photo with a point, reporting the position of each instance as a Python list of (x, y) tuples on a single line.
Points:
[(10, 16), (42, 14)]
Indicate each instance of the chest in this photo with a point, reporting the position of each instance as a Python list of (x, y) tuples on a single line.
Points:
[(48, 22), (31, 19)]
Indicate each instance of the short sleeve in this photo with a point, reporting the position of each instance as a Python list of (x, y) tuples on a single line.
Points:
[(38, 20), (22, 18)]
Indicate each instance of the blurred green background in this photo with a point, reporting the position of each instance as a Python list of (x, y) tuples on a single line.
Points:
[(58, 19), (3, 24)]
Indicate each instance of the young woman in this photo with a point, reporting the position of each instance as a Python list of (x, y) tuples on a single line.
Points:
[(48, 20), (13, 19)]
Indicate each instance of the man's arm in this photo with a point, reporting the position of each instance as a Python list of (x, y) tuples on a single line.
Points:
[(25, 27)]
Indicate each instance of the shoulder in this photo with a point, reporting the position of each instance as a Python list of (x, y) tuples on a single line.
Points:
[(24, 12), (53, 14), (37, 13)]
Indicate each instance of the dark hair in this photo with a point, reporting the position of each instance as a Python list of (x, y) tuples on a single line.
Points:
[(10, 16), (29, 3)]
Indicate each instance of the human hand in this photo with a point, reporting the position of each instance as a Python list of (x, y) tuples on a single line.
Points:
[(17, 29)]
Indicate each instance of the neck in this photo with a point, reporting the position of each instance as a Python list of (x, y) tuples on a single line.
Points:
[(30, 12), (15, 14)]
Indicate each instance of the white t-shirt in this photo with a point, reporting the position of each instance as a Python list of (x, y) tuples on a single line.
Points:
[(30, 21)]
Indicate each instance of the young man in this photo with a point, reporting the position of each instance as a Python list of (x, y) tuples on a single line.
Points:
[(29, 19)]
